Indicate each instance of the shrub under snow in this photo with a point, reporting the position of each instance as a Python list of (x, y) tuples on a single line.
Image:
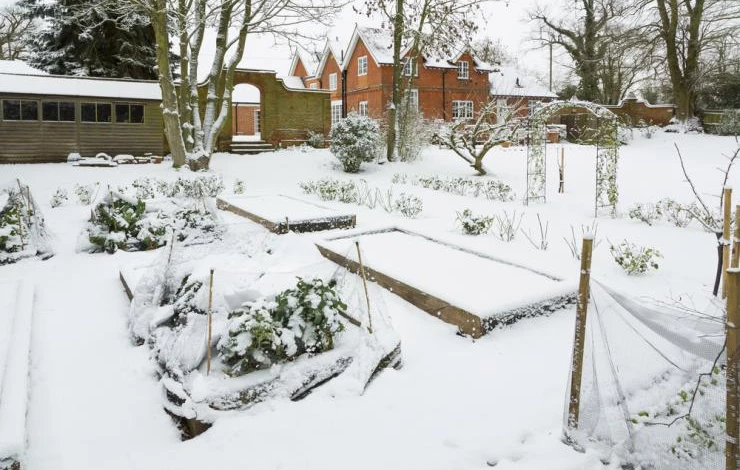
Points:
[(355, 139)]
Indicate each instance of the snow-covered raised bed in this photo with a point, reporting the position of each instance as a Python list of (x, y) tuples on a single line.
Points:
[(472, 290), (172, 298), (16, 309), (281, 214)]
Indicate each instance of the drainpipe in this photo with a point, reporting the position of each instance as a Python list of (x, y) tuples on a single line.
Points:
[(344, 88)]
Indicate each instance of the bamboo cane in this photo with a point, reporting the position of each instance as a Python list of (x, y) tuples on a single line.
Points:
[(561, 170), (580, 333), (364, 284), (726, 222), (732, 451), (210, 323), (736, 240)]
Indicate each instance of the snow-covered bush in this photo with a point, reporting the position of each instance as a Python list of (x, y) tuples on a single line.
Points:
[(59, 197), (645, 212), (85, 193), (301, 320), (675, 213), (474, 224), (507, 225), (315, 139), (729, 123), (11, 227), (400, 178), (408, 205), (198, 187), (415, 133), (328, 189), (239, 186), (354, 140), (491, 189), (635, 259)]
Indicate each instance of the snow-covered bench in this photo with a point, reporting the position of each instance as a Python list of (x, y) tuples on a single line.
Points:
[(16, 308)]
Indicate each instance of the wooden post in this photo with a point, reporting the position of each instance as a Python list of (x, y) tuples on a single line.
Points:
[(733, 320), (580, 333), (287, 225), (726, 222), (561, 170), (364, 284), (210, 323), (736, 241)]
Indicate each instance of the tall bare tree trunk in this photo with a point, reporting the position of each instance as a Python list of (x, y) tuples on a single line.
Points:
[(393, 112), (170, 112)]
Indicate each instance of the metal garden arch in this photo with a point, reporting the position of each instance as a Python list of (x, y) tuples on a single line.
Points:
[(607, 153)]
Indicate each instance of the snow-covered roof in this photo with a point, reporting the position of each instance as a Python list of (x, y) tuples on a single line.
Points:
[(509, 81), (330, 48), (60, 85), (291, 81), (18, 66), (308, 63)]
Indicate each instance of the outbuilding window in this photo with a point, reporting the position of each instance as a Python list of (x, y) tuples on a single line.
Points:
[(130, 113), (95, 112), (58, 111), (20, 110)]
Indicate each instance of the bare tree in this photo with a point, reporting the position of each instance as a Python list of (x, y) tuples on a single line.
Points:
[(195, 112), (15, 29), (687, 31)]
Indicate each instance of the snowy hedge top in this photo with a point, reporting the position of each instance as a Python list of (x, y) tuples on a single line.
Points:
[(79, 86)]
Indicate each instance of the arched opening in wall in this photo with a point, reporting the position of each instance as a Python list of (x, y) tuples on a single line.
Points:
[(246, 110)]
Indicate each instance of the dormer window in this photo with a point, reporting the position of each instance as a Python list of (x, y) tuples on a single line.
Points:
[(463, 71), (333, 81)]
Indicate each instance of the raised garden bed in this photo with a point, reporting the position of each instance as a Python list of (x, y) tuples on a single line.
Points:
[(281, 214), (471, 290)]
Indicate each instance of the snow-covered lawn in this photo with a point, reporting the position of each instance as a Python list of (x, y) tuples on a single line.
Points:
[(94, 400)]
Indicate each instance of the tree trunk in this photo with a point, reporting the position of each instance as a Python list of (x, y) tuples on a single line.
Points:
[(393, 112), (170, 112)]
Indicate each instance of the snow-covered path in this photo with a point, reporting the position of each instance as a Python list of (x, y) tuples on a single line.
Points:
[(94, 394)]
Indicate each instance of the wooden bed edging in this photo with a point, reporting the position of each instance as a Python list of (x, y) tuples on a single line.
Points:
[(315, 225)]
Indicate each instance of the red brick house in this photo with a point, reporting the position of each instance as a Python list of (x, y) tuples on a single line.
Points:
[(360, 79)]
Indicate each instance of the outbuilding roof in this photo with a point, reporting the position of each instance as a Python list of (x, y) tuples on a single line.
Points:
[(61, 85), (510, 81)]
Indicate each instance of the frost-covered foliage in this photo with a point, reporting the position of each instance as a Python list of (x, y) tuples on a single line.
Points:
[(666, 209), (302, 320), (59, 197), (85, 193), (22, 229), (11, 227), (729, 124), (354, 140), (474, 224), (122, 223), (328, 189), (414, 134), (239, 186), (408, 205), (490, 189), (647, 130), (645, 212), (635, 259), (315, 139), (198, 187)]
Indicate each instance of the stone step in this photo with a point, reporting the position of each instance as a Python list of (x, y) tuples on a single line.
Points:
[(250, 147)]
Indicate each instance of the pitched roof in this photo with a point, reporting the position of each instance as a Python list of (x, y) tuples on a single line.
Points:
[(333, 48), (62, 85), (308, 64), (18, 66), (510, 81)]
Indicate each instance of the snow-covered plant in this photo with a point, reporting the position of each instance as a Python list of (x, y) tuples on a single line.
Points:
[(12, 227), (414, 133), (200, 187), (315, 139), (474, 224), (328, 189), (635, 259), (645, 212), (354, 140), (498, 191), (489, 188), (574, 245), (145, 188), (507, 225), (239, 186), (408, 205), (729, 123), (541, 242), (399, 178), (85, 193), (59, 197), (115, 223), (304, 319), (675, 213)]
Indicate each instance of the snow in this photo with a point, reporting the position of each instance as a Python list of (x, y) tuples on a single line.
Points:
[(19, 67), (95, 400), (78, 86), (276, 208)]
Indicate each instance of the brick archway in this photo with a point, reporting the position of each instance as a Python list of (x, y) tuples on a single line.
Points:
[(287, 114)]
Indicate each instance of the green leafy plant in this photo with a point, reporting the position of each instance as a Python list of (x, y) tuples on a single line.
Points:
[(635, 259), (408, 205), (474, 224), (59, 197)]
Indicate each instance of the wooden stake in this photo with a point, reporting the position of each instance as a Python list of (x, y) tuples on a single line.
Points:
[(561, 170), (364, 283), (580, 333), (733, 320), (287, 225), (210, 323), (736, 242), (726, 222)]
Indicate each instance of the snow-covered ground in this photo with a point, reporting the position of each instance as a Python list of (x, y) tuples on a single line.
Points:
[(95, 402)]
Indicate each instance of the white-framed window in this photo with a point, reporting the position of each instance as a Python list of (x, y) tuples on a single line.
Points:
[(336, 111), (463, 71), (413, 97), (362, 65), (462, 109), (362, 108), (314, 86), (410, 67), (332, 81), (533, 105)]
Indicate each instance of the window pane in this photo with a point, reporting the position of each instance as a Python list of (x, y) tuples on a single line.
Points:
[(29, 110), (122, 113), (104, 111), (67, 111), (50, 111), (87, 112), (12, 110), (137, 113)]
